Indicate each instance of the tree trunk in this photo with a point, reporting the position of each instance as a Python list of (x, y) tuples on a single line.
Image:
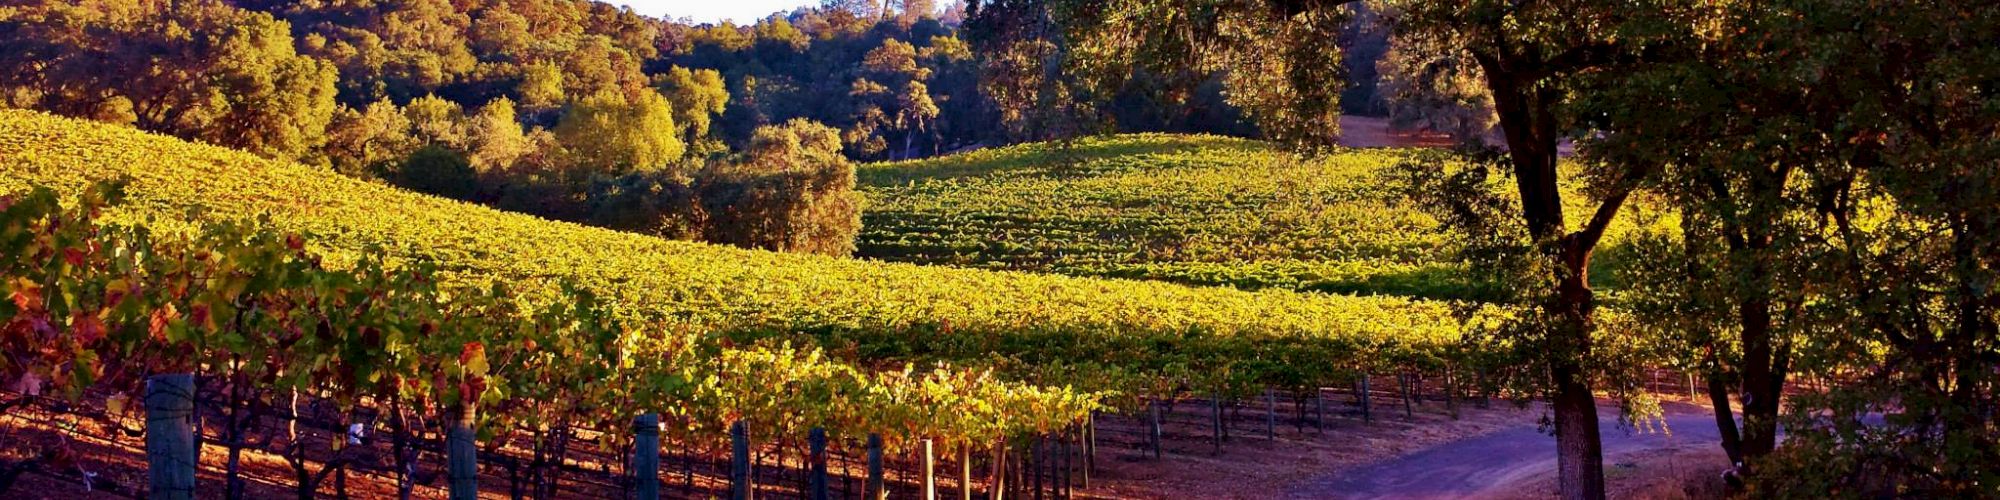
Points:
[(1526, 112), (1725, 416), (1763, 381), (1579, 448)]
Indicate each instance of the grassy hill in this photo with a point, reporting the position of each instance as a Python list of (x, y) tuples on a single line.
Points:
[(1047, 328)]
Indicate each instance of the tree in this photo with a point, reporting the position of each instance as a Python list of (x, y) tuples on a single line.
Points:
[(434, 120), (610, 133), (1427, 84), (697, 96), (889, 93), (494, 140), (1894, 113), (914, 112), (1531, 54), (541, 87), (234, 77), (365, 142), (1020, 49), (438, 170), (790, 190)]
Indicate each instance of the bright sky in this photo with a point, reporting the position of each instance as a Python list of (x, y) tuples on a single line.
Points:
[(708, 11)]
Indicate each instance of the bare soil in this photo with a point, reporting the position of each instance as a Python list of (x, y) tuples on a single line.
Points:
[(1257, 467)]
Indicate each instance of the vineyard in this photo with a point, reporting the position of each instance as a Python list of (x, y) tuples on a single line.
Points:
[(1200, 210), (370, 288)]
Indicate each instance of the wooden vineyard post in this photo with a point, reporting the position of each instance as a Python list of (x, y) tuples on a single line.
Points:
[(1450, 390), (1153, 411), (170, 446), (817, 440), (998, 489), (1215, 420), (1319, 408), (740, 487), (1270, 414), (1064, 451), (461, 454), (1403, 381), (646, 455), (1367, 410), (965, 471), (875, 489), (1089, 448), (1485, 397), (1035, 457), (1693, 395), (930, 471)]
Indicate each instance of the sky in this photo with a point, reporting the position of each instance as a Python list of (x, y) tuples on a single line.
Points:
[(707, 11)]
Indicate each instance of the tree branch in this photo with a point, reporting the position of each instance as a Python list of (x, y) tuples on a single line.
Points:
[(1607, 211)]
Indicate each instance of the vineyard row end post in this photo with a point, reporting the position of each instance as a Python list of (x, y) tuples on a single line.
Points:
[(817, 440), (170, 445), (930, 471), (875, 489), (646, 455), (740, 487), (462, 453)]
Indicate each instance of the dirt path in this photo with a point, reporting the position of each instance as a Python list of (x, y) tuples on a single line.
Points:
[(1504, 463)]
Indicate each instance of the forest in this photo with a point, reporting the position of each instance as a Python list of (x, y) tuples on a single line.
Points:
[(851, 216)]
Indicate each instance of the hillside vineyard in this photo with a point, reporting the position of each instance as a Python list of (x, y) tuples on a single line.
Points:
[(1093, 336)]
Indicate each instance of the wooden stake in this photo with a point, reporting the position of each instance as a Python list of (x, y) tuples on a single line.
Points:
[(646, 455), (999, 474), (1215, 418), (740, 482), (817, 440), (1367, 412), (965, 471), (1153, 409), (930, 472), (170, 436), (1270, 415), (876, 488)]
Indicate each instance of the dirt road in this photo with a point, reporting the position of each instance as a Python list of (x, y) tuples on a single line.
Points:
[(1498, 464)]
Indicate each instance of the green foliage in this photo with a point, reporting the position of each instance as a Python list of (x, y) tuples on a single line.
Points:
[(103, 306), (438, 170), (1428, 82), (697, 97), (236, 79), (790, 191), (364, 142), (611, 133), (1186, 209)]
